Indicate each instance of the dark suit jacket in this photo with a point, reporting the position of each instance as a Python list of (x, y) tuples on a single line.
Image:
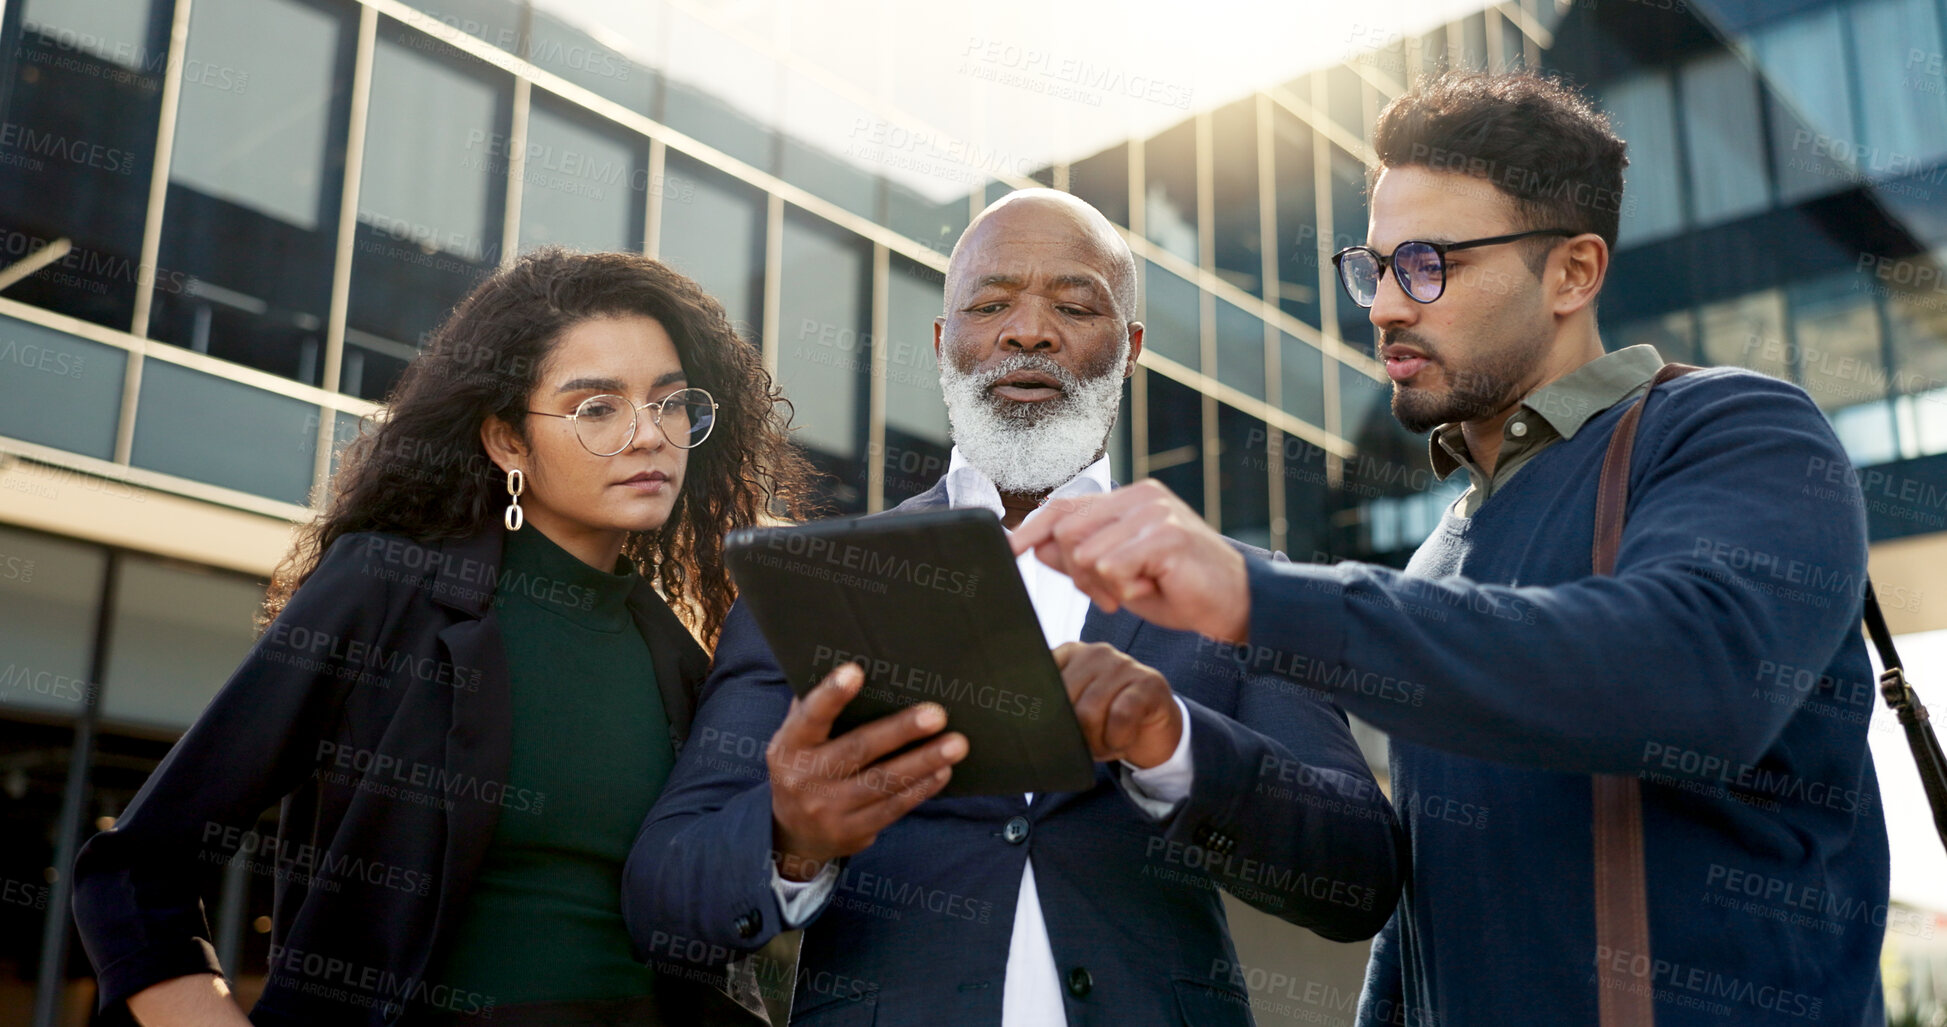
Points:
[(1284, 814), (377, 709)]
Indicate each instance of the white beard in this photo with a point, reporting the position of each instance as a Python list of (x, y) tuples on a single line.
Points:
[(1032, 447)]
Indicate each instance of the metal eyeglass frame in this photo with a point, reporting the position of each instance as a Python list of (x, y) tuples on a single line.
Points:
[(1440, 251), (635, 418)]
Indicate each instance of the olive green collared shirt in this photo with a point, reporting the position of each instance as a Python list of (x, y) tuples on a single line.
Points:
[(1554, 412)]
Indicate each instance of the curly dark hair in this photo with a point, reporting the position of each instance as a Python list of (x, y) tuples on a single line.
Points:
[(418, 468), (1532, 136)]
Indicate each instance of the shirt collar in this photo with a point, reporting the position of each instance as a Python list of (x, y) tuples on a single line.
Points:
[(1567, 403), (1446, 450), (969, 486)]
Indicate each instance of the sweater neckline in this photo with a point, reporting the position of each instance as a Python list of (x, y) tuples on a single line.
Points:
[(536, 570)]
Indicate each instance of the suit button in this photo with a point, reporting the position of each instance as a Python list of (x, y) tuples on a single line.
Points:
[(1079, 982), (749, 924), (1016, 830), (1214, 841)]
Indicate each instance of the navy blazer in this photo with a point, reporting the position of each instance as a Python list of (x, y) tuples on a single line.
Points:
[(377, 708), (1284, 814)]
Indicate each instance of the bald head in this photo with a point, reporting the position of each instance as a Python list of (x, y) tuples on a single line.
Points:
[(1047, 218)]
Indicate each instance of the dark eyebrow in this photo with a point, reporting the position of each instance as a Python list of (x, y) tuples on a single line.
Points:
[(615, 385), (1437, 240), (580, 384), (984, 281), (1076, 282)]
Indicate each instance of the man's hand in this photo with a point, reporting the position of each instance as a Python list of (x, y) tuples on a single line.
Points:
[(831, 797), (1124, 706), (1143, 548)]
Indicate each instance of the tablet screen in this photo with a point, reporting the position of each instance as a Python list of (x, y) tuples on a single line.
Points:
[(932, 607)]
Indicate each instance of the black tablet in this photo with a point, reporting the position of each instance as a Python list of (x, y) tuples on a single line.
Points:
[(932, 607)]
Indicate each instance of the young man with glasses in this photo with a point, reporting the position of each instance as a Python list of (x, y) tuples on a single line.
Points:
[(1675, 817)]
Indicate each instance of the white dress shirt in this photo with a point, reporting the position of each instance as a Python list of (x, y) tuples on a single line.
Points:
[(1032, 995)]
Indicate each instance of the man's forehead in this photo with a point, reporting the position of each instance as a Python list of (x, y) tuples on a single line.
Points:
[(1412, 202), (1062, 275), (1032, 260)]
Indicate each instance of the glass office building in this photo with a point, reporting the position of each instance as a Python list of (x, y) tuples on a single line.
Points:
[(227, 225)]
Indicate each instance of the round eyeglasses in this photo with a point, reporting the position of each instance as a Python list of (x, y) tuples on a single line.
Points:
[(1420, 267), (606, 425)]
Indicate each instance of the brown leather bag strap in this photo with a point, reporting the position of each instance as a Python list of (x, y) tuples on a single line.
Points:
[(1625, 996), (1612, 491)]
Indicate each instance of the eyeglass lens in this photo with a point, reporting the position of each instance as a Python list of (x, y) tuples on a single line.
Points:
[(1418, 266), (607, 425)]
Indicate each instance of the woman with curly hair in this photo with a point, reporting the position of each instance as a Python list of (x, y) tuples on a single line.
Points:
[(473, 680)]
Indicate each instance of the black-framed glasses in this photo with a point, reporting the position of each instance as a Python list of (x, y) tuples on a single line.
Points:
[(606, 425), (1420, 267)]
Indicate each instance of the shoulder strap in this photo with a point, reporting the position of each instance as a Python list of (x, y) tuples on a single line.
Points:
[(1612, 492), (1906, 705), (1622, 917)]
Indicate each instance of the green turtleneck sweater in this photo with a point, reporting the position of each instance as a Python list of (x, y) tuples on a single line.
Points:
[(544, 919)]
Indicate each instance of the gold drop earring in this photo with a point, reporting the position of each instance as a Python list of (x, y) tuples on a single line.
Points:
[(516, 484)]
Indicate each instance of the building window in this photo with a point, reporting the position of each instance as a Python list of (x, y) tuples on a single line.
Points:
[(933, 219), (1309, 502), (1170, 317), (210, 429), (1240, 349), (610, 66), (1103, 180), (431, 200), (50, 599), (59, 390), (834, 152), (713, 231), (1901, 126), (702, 99), (255, 184), (1747, 331), (1723, 138), (1345, 100), (1673, 334), (1836, 352), (1244, 472), (1916, 318), (1802, 59), (1170, 195), (584, 181), (1473, 41), (176, 635), (80, 110), (824, 354), (1641, 109), (1176, 438), (917, 434), (1365, 406), (1302, 371), (1304, 257), (1238, 233)]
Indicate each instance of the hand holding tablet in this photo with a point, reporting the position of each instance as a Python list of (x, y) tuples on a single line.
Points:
[(831, 796)]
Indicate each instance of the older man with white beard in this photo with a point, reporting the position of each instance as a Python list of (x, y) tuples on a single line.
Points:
[(1081, 907)]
